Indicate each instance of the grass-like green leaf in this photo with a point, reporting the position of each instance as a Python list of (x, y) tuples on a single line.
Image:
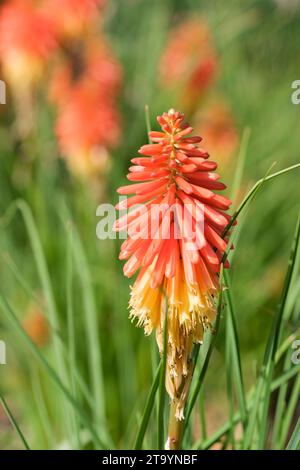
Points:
[(92, 330), (45, 280), (289, 412), (253, 191), (71, 333), (148, 409), (294, 441), (263, 387), (225, 428), (199, 382), (9, 312), (162, 379), (13, 421), (232, 337), (238, 174)]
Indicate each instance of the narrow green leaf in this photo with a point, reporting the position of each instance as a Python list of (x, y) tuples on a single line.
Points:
[(148, 409), (229, 382), (272, 345), (294, 441), (14, 422), (235, 352), (264, 380), (202, 374), (162, 380), (202, 413), (224, 429), (148, 124), (238, 175), (9, 312), (289, 412), (250, 195), (41, 406), (45, 280), (92, 332), (71, 333)]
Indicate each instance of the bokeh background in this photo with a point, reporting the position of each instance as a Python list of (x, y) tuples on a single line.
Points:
[(78, 76)]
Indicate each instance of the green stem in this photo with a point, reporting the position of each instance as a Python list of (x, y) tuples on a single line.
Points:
[(175, 430)]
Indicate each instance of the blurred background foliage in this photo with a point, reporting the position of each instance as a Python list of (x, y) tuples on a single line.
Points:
[(250, 51)]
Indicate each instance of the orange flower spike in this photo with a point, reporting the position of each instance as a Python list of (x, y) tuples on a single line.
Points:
[(75, 16), (175, 240), (85, 146), (189, 64), (217, 124), (27, 39), (36, 326)]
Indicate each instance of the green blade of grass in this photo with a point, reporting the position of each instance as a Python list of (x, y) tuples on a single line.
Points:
[(276, 383), (9, 312), (289, 412), (148, 124), (250, 195), (265, 376), (278, 325), (238, 174), (294, 441), (224, 429), (14, 422), (20, 279), (162, 379), (41, 406), (202, 413), (148, 409), (44, 276), (235, 352), (284, 378), (229, 382), (281, 413), (203, 370), (71, 333), (92, 332), (280, 406)]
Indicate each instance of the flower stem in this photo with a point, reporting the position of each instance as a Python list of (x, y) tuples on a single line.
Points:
[(175, 430)]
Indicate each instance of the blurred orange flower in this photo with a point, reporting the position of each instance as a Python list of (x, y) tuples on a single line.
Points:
[(84, 87), (72, 18), (27, 39), (216, 122), (189, 63), (87, 124), (93, 65), (36, 326)]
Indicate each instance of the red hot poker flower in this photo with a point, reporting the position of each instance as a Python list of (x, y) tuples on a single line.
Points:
[(189, 64), (73, 18), (175, 177), (27, 39)]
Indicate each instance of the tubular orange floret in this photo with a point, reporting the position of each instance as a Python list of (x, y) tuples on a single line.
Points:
[(180, 259)]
